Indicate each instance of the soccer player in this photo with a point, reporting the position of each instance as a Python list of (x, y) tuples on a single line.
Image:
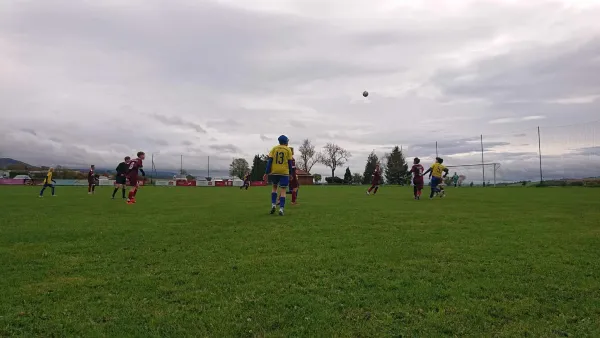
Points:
[(279, 169), (91, 180), (375, 182), (455, 180), (417, 171), (437, 173), (48, 182), (132, 175), (294, 184), (246, 181), (121, 178)]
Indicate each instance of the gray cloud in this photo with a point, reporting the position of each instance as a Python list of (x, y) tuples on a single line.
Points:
[(226, 148), (29, 131), (178, 122), (535, 73)]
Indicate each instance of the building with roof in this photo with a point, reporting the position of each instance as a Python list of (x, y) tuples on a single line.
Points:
[(304, 178)]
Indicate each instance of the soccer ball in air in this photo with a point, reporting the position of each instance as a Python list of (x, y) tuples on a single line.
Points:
[(365, 93)]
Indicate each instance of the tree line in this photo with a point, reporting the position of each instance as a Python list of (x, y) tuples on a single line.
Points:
[(333, 157)]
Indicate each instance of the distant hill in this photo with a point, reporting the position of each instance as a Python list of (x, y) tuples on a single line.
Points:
[(5, 162)]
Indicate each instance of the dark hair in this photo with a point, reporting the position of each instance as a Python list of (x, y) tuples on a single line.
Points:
[(127, 158), (417, 160), (439, 160), (140, 153)]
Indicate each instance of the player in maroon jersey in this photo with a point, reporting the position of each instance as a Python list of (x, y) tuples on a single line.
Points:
[(375, 182), (132, 175), (294, 184), (91, 180), (417, 171)]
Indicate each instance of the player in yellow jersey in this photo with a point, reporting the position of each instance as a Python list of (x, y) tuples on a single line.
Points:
[(437, 173), (279, 169), (48, 182)]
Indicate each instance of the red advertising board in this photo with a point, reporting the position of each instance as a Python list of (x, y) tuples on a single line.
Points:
[(223, 183), (185, 183), (258, 183), (10, 181)]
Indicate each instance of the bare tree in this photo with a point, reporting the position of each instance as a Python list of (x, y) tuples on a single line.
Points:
[(334, 156), (308, 156), (239, 168)]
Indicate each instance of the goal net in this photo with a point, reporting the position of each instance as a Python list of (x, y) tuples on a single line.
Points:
[(487, 174)]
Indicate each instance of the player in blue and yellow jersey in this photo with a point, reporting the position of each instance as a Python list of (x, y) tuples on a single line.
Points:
[(279, 169), (437, 173), (48, 182)]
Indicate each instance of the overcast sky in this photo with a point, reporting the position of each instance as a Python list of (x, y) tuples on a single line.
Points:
[(85, 82)]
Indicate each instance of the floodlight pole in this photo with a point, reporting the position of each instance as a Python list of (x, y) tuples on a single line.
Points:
[(494, 175), (208, 175), (436, 149), (482, 165), (540, 152)]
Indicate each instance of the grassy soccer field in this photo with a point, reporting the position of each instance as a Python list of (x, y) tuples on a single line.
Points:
[(211, 262)]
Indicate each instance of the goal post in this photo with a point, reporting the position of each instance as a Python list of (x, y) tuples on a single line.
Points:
[(475, 173)]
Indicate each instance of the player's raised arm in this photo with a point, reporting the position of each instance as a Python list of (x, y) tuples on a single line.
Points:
[(143, 173), (446, 171)]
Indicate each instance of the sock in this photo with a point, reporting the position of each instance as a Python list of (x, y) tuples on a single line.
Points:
[(371, 188), (273, 198), (294, 197), (89, 188), (419, 193), (415, 191), (93, 188), (42, 191), (131, 195), (52, 187), (432, 192), (123, 192), (115, 192), (134, 192), (281, 202), (374, 192)]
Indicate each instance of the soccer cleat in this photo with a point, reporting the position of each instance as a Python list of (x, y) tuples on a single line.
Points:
[(368, 193), (280, 212), (273, 209), (40, 196)]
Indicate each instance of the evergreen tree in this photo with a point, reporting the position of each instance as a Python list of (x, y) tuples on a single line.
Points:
[(396, 169), (259, 165), (348, 176), (372, 161), (357, 178)]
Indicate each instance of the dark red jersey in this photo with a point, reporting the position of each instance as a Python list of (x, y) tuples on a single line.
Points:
[(134, 166), (376, 176), (91, 175), (417, 171)]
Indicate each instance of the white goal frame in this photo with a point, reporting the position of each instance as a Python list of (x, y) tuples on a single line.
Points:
[(495, 165)]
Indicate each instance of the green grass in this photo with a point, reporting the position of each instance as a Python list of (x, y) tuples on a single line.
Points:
[(211, 262)]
